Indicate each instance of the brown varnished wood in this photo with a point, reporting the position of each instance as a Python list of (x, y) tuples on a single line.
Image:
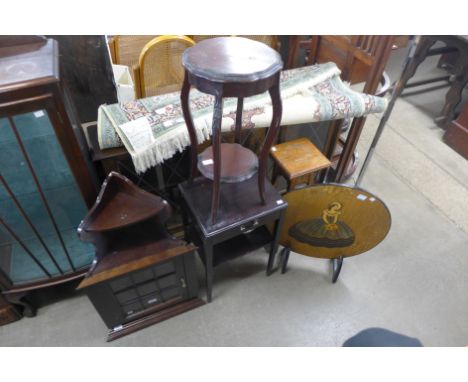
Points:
[(239, 214), (372, 82), (216, 147), (231, 67), (121, 204), (366, 215), (86, 68), (361, 59), (298, 157), (238, 163), (140, 271), (137, 258), (240, 106), (30, 81), (456, 135), (26, 65), (154, 318), (232, 60), (184, 99), (8, 313), (113, 212)]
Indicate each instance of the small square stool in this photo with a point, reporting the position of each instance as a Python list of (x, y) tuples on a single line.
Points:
[(241, 226), (297, 160)]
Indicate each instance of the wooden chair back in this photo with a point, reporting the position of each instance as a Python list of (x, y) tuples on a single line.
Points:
[(126, 49), (159, 68), (360, 58)]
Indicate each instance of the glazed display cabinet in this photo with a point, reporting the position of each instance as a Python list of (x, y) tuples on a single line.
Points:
[(47, 182)]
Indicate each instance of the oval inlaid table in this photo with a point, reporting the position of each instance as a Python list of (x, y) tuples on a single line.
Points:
[(332, 221), (231, 67)]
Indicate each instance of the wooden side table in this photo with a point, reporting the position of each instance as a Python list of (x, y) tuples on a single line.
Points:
[(231, 67), (296, 161), (332, 221), (241, 224)]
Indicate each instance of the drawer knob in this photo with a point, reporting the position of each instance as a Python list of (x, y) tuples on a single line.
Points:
[(247, 228)]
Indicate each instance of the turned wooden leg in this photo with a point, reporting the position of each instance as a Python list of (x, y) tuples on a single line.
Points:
[(274, 174), (240, 106), (454, 95), (216, 142), (184, 100), (270, 137)]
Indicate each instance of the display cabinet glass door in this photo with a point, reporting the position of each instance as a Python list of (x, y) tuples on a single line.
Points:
[(41, 205)]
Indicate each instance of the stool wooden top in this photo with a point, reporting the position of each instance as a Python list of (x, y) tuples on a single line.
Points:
[(232, 59), (299, 157)]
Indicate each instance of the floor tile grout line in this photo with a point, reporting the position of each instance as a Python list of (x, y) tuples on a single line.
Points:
[(405, 181), (426, 155)]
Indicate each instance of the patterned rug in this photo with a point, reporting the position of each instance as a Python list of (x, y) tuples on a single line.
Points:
[(309, 94)]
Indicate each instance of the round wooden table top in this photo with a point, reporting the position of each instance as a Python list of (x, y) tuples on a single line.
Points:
[(329, 221), (231, 59)]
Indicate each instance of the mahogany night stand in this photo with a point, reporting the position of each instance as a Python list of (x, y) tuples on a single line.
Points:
[(243, 223), (231, 67)]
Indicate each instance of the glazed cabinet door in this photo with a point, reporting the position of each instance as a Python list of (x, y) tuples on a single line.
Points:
[(40, 202)]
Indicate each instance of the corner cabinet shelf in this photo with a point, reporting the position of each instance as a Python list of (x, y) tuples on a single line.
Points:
[(141, 274)]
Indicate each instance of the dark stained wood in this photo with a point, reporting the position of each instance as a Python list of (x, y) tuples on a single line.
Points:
[(137, 258), (8, 41), (239, 163), (86, 69), (240, 214), (456, 135), (240, 204), (232, 59), (184, 100), (140, 271), (231, 67), (27, 65), (240, 106), (8, 313), (154, 318), (121, 204), (30, 81), (361, 59), (382, 53)]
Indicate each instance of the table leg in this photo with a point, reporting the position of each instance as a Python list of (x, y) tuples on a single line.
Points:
[(216, 141), (240, 106), (336, 264), (184, 100), (454, 95), (274, 244), (208, 249), (270, 137), (185, 218), (284, 259)]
